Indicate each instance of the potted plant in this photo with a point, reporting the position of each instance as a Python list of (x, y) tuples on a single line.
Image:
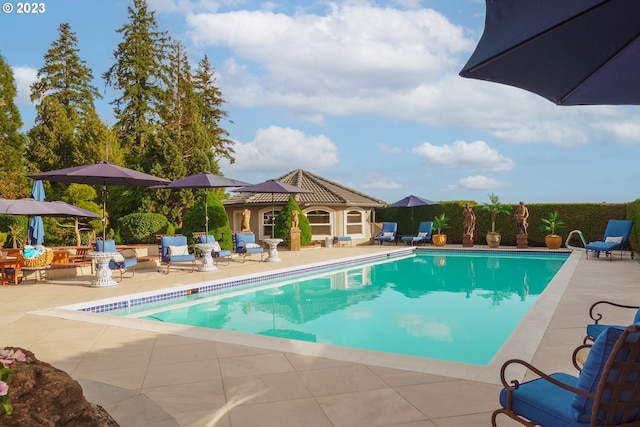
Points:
[(494, 207), (440, 222), (550, 224)]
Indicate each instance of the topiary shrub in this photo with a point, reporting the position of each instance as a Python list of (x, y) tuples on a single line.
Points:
[(141, 227), (282, 226), (194, 218)]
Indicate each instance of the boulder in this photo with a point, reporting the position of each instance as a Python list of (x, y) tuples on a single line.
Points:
[(45, 396)]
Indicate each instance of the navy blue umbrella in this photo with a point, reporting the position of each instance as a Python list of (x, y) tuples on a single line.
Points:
[(572, 52)]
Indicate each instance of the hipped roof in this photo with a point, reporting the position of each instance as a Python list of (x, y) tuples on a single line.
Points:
[(324, 193)]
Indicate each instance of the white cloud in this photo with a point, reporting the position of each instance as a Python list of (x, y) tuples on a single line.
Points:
[(480, 182), (380, 182), (419, 326), (25, 77), (476, 156), (625, 131), (276, 148), (389, 149)]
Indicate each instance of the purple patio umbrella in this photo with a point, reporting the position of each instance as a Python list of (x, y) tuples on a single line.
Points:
[(28, 207), (36, 226), (410, 201), (101, 173), (274, 187), (203, 180), (572, 52)]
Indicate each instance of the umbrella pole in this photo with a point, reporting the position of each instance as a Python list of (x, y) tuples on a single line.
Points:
[(273, 219), (104, 216), (206, 216)]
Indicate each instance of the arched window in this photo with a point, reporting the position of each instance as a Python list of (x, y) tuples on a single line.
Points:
[(354, 223), (321, 224)]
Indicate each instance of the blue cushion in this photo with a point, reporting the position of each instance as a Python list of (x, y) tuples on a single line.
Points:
[(594, 330), (182, 258), (109, 245), (592, 371), (545, 403), (209, 239), (127, 263), (166, 241), (636, 319)]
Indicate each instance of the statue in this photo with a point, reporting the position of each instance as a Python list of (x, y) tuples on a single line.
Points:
[(468, 220), (522, 217), (246, 217), (295, 219)]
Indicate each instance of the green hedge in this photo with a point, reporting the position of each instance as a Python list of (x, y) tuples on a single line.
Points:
[(141, 227), (590, 218)]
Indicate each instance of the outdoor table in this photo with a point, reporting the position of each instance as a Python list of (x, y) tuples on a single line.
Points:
[(207, 260), (103, 272), (273, 250)]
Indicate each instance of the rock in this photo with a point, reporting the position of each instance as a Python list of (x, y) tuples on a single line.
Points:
[(44, 396)]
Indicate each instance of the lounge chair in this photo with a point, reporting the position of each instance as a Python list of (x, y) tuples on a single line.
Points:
[(604, 393), (126, 261), (217, 252), (616, 237), (424, 234), (174, 249), (595, 329), (388, 232), (245, 244)]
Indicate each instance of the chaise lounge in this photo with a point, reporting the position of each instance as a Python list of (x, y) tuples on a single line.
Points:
[(174, 249), (388, 232), (245, 244), (424, 234), (616, 237)]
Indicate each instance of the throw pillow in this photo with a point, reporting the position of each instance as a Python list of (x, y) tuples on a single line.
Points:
[(178, 250), (613, 239), (387, 234), (251, 245), (216, 247)]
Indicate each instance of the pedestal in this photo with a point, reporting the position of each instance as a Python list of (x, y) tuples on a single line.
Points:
[(467, 240), (103, 272), (207, 263), (294, 239), (273, 250), (522, 241)]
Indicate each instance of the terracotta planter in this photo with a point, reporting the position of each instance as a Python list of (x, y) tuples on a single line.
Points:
[(493, 239), (553, 241), (439, 239)]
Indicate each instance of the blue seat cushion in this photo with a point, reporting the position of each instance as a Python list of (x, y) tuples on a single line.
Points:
[(182, 258), (545, 403), (592, 371), (224, 253), (602, 246), (127, 263), (594, 330)]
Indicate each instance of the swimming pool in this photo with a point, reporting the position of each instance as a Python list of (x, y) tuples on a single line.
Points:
[(459, 307)]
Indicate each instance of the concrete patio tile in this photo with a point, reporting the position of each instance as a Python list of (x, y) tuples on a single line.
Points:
[(302, 363), (188, 351), (343, 379), (254, 365), (448, 399), (298, 412), (397, 377), (371, 408), (265, 388), (226, 350), (164, 374)]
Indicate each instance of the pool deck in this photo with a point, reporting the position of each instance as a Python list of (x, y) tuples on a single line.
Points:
[(151, 378)]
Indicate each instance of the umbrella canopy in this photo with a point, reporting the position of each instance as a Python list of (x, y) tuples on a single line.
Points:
[(411, 201), (36, 227), (274, 187), (28, 207), (204, 180), (101, 173), (572, 52)]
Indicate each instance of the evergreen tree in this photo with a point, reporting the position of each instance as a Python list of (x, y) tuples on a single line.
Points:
[(140, 74), (67, 131), (210, 102), (282, 225), (11, 140)]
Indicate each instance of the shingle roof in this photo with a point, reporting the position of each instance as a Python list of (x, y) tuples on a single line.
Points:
[(324, 192)]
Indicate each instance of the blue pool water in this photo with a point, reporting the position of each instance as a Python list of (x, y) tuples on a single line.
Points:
[(459, 307)]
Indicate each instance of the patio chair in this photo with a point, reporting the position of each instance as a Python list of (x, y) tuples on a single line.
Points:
[(424, 234), (245, 244), (217, 252), (174, 249), (616, 237), (604, 393), (388, 232), (12, 269), (126, 260), (595, 329)]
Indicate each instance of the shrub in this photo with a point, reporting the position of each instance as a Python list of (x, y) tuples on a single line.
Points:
[(282, 226), (194, 218), (141, 227)]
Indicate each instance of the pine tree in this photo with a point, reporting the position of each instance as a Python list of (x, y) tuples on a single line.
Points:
[(210, 102), (68, 131), (140, 74), (11, 140)]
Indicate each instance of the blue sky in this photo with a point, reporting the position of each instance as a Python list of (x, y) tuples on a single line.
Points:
[(365, 93)]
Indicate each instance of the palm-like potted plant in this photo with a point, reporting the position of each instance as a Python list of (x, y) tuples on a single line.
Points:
[(550, 224), (440, 223), (494, 207)]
